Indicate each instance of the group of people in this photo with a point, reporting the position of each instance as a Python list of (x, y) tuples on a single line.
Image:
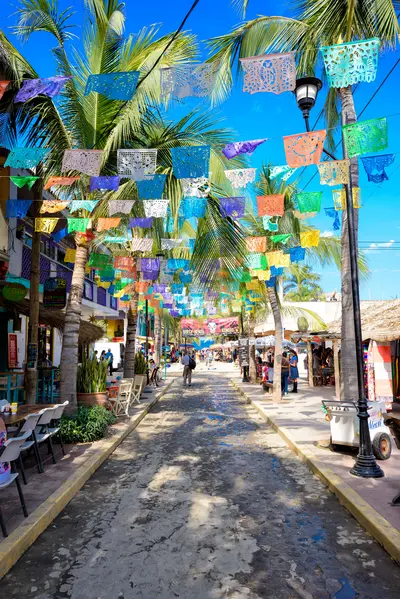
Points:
[(105, 356), (289, 369)]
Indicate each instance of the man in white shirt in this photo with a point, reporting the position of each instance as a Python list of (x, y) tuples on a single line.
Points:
[(187, 371)]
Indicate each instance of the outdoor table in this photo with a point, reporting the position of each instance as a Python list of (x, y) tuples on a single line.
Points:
[(9, 387), (23, 411)]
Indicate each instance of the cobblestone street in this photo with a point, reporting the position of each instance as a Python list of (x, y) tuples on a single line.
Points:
[(204, 501)]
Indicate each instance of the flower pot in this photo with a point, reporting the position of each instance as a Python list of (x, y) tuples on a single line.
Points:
[(93, 399)]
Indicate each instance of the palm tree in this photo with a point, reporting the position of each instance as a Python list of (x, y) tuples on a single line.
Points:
[(301, 284), (315, 23)]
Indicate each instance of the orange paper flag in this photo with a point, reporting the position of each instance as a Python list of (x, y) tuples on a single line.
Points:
[(3, 87), (303, 149), (272, 205), (104, 224), (256, 244), (60, 181)]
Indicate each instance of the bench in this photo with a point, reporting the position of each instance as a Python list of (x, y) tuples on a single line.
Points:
[(392, 420)]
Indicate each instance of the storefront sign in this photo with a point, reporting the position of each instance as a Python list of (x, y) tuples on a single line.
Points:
[(210, 326), (55, 293), (244, 352), (12, 350), (14, 292), (32, 354)]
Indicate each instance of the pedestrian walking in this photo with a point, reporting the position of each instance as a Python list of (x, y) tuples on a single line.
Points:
[(285, 373), (294, 371), (110, 358), (189, 364)]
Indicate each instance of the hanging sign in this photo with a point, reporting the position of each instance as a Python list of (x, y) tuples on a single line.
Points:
[(55, 293), (209, 326), (244, 352), (12, 350), (14, 292)]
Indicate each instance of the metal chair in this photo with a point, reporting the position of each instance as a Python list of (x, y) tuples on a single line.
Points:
[(42, 430), (10, 452)]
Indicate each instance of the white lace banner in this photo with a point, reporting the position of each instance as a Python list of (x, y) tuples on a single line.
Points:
[(120, 206), (239, 178), (195, 188), (87, 162), (169, 244), (188, 80), (135, 164), (274, 73), (156, 208)]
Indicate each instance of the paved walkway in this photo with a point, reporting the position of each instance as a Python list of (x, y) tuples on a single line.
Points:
[(203, 501)]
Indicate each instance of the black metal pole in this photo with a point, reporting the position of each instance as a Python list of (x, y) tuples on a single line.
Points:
[(146, 315), (365, 465)]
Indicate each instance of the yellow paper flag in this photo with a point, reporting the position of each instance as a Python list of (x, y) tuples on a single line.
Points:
[(70, 255), (309, 239)]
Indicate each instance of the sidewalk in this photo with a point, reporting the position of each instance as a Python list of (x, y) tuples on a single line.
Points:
[(300, 421)]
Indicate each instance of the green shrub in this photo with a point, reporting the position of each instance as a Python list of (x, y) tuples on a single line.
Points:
[(140, 363), (87, 424), (92, 376)]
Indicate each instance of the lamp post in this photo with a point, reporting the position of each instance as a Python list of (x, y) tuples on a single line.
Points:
[(306, 92)]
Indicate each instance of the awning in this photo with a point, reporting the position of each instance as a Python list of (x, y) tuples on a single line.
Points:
[(88, 332)]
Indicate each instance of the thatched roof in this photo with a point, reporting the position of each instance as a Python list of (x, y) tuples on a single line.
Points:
[(380, 320), (88, 332)]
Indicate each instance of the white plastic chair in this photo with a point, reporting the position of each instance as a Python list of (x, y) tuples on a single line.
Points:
[(123, 399), (54, 427), (136, 392), (29, 426), (10, 452), (42, 430)]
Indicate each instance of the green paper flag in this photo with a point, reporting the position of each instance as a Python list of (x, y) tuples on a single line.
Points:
[(78, 224), (99, 260), (366, 136), (21, 181), (281, 238), (309, 201)]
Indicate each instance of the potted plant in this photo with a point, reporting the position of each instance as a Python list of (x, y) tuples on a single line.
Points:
[(140, 369), (91, 385)]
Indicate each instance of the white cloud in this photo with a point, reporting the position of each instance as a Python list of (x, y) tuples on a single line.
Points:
[(326, 234), (374, 247)]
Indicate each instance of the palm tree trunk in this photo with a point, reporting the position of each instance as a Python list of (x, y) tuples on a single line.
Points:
[(130, 350), (70, 345), (34, 304), (273, 300), (349, 385)]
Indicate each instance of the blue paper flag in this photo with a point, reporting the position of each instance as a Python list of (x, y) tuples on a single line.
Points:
[(25, 157), (60, 234), (297, 254), (115, 86), (276, 271), (193, 207), (375, 167), (152, 187), (191, 161), (271, 282), (185, 277), (17, 208), (177, 288), (332, 213), (177, 263)]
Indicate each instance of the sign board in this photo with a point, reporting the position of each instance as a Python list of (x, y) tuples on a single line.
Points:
[(209, 326), (12, 350), (55, 293), (244, 352), (14, 291), (32, 354)]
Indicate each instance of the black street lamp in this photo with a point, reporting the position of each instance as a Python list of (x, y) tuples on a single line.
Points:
[(306, 92)]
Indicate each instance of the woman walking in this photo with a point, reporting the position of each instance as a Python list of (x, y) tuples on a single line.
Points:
[(294, 371)]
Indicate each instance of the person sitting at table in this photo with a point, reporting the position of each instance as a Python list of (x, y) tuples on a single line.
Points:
[(4, 466)]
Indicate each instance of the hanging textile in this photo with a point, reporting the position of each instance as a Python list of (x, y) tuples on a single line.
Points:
[(88, 205), (22, 181), (278, 258), (177, 288), (309, 239), (17, 208), (174, 264), (350, 63), (297, 254), (155, 208), (25, 157), (281, 238), (263, 275), (366, 136), (242, 147), (124, 263), (51, 87), (60, 235), (150, 264), (136, 164), (104, 224), (275, 73), (335, 172), (141, 244), (52, 206), (198, 187), (141, 286), (83, 161), (143, 223), (185, 277), (240, 177), (60, 181), (303, 149), (269, 225), (309, 201), (193, 207), (169, 244), (150, 275), (232, 207), (256, 261), (78, 224), (115, 86), (45, 225), (104, 183), (159, 288), (332, 213), (281, 173), (187, 80), (99, 260), (3, 87), (256, 244), (189, 162), (375, 167), (339, 198), (70, 256), (272, 205), (120, 206), (276, 272), (254, 285), (271, 282), (152, 187)]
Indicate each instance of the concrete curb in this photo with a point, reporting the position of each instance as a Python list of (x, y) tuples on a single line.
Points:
[(377, 526), (14, 546)]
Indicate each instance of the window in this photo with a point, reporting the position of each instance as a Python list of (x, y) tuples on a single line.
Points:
[(48, 249)]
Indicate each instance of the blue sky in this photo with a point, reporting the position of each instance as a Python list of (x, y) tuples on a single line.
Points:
[(267, 115)]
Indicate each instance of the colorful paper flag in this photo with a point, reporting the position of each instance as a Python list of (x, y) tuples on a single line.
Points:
[(309, 201), (271, 205), (115, 86), (256, 244), (78, 225), (104, 183), (351, 62), (17, 208), (366, 136), (83, 161), (335, 172), (242, 147), (60, 181), (105, 224), (25, 157), (190, 161), (375, 167), (70, 256), (275, 73), (22, 181), (303, 149), (309, 239), (45, 225)]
